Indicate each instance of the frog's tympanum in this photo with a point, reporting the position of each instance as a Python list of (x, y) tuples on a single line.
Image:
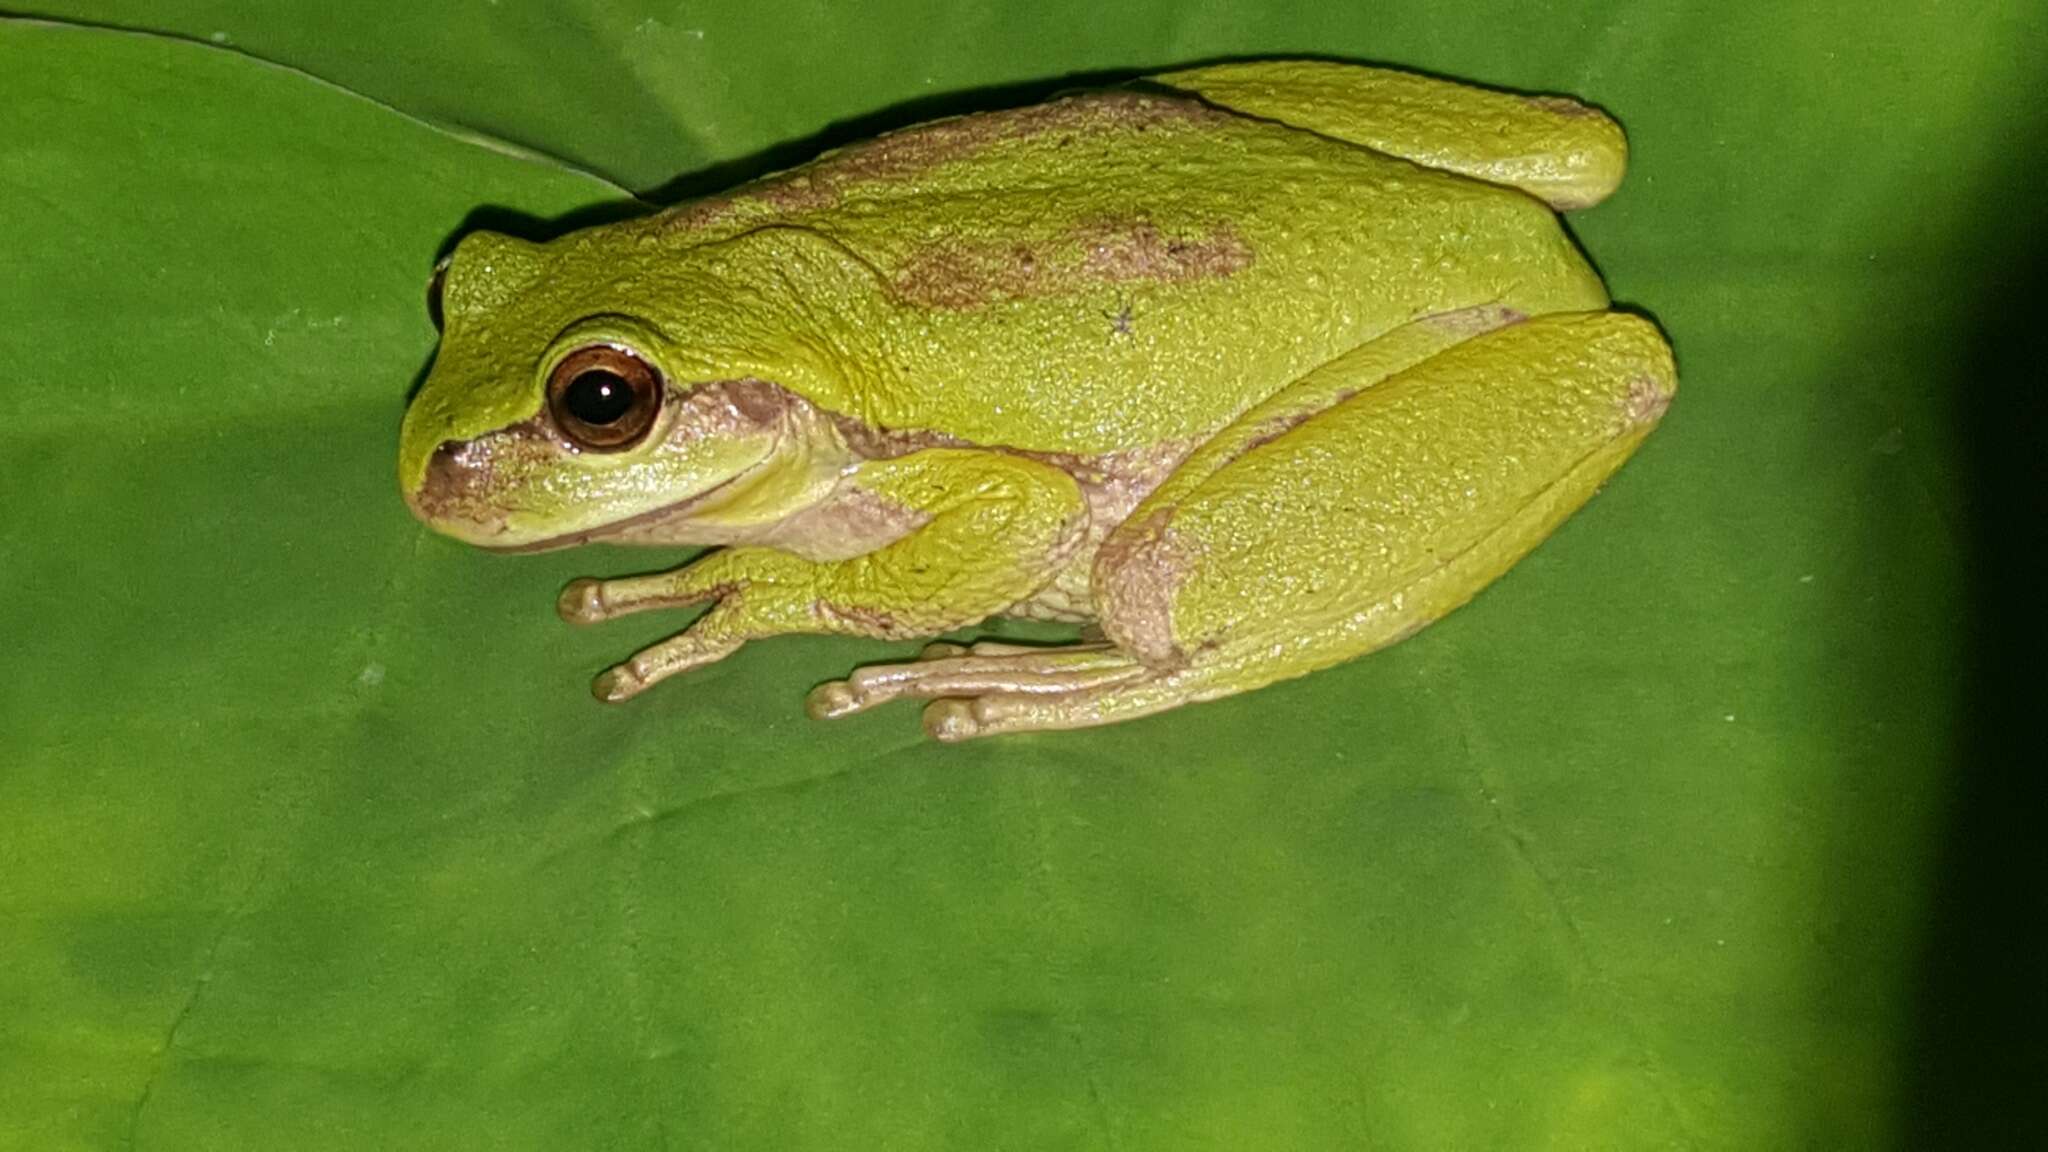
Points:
[(1249, 369)]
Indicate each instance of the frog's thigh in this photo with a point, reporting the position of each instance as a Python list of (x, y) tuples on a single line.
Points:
[(1363, 523)]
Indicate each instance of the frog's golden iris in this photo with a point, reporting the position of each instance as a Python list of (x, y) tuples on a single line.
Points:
[(604, 397), (1249, 369)]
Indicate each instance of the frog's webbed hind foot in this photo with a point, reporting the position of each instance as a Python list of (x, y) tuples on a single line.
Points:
[(953, 670), (989, 689), (1142, 692)]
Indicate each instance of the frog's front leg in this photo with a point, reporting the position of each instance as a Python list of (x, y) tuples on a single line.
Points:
[(1355, 526), (997, 528)]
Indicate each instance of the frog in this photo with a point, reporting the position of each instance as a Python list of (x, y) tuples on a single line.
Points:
[(1242, 371)]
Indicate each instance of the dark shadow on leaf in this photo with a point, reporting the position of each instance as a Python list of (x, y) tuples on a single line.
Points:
[(1976, 1065), (526, 226)]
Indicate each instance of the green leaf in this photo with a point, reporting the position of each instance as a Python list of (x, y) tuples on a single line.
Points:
[(310, 837)]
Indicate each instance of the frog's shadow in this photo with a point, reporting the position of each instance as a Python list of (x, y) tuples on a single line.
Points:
[(729, 174)]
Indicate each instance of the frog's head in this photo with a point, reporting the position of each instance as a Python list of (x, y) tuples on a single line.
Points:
[(594, 387)]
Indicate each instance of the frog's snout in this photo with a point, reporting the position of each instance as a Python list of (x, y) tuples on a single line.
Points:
[(452, 496)]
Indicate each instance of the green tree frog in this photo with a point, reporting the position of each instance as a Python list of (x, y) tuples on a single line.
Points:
[(1247, 369)]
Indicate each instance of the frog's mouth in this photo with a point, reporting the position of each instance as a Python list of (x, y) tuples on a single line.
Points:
[(482, 493), (663, 525), (523, 489)]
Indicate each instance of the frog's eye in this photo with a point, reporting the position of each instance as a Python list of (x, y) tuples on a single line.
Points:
[(604, 397)]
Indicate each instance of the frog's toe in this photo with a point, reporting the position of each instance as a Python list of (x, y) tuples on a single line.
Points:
[(951, 721), (831, 700), (582, 602), (620, 682)]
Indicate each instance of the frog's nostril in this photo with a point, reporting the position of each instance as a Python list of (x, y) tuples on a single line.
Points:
[(459, 494), (442, 489)]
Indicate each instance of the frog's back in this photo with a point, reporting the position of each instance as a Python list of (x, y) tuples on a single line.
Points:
[(1116, 269)]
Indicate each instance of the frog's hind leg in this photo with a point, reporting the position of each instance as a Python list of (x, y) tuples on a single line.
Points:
[(1552, 147), (1359, 524)]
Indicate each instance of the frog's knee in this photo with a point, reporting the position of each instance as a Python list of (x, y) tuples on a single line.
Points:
[(1628, 352), (1138, 574)]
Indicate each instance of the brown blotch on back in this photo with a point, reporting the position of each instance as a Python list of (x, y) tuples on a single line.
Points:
[(1140, 252), (964, 274)]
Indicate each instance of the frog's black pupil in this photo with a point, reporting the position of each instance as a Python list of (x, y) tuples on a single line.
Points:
[(598, 397)]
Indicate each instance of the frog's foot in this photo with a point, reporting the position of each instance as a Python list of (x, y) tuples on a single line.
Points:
[(946, 670), (1142, 692)]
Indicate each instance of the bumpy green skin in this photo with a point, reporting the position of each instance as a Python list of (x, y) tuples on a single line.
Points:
[(924, 380)]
